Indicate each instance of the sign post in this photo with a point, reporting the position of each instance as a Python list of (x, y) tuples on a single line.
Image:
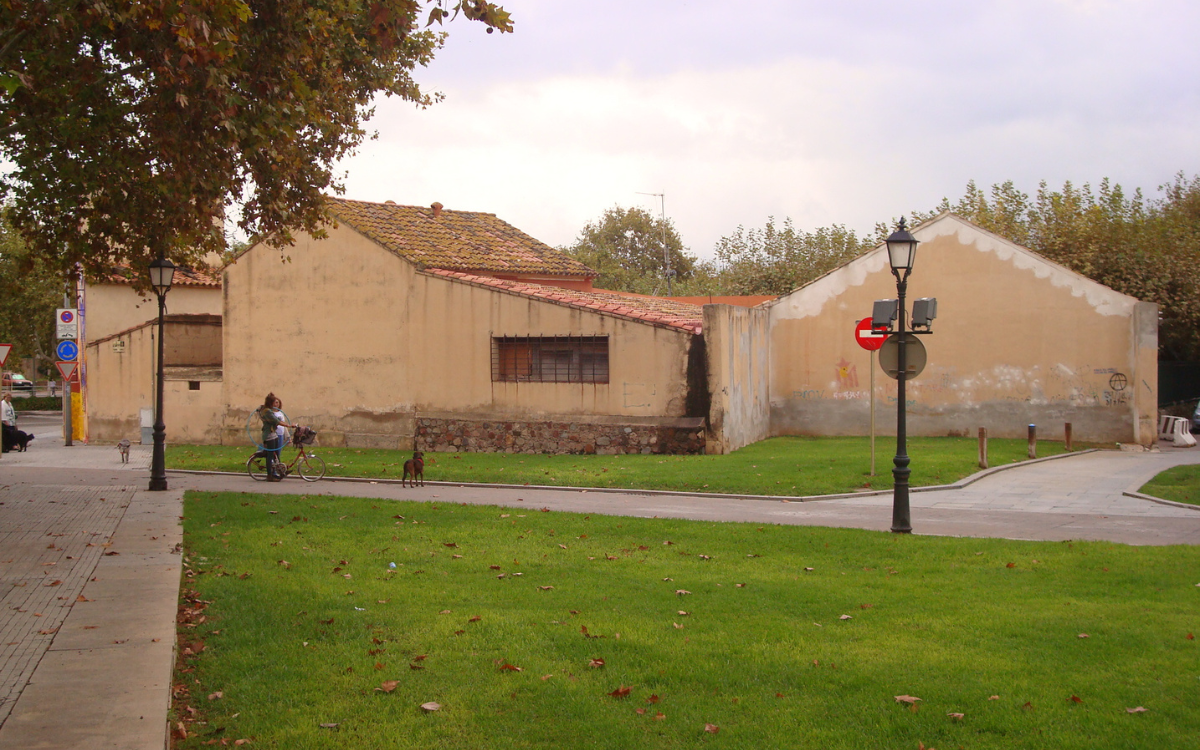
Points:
[(67, 370), (870, 339), (4, 350)]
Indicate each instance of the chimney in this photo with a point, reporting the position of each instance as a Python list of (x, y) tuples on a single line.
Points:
[(437, 210)]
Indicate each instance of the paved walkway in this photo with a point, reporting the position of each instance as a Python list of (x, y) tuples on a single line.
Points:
[(90, 563)]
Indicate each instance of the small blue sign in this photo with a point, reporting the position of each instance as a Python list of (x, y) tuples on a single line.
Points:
[(67, 350)]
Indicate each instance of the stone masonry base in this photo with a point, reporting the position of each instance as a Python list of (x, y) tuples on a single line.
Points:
[(449, 435)]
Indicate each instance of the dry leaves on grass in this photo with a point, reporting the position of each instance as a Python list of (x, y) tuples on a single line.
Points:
[(711, 728), (621, 692), (596, 663), (1136, 710), (909, 699), (387, 686), (506, 667), (430, 707)]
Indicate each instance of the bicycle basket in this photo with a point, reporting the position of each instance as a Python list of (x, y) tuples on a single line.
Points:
[(304, 436)]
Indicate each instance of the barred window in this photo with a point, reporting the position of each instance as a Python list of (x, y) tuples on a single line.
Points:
[(550, 359)]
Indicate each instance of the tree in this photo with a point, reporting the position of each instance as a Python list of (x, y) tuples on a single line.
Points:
[(29, 294), (133, 127), (632, 251), (776, 261)]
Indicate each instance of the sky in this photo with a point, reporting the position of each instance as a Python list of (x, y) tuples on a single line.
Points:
[(851, 112)]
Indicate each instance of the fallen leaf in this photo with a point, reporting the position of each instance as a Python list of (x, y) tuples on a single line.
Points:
[(1011, 565), (677, 626), (216, 696), (328, 726), (416, 667), (1076, 699), (378, 666), (681, 592), (387, 686), (741, 585), (596, 663), (653, 699), (510, 668), (476, 618), (53, 583), (640, 711), (993, 697), (621, 692), (711, 728), (845, 617), (809, 570), (1084, 635), (659, 716), (546, 677), (1190, 637), (684, 614), (779, 695), (1028, 705), (421, 657), (450, 544), (1137, 710), (444, 612), (545, 588), (431, 706), (906, 699)]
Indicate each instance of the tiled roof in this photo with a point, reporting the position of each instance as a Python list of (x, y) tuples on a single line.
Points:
[(655, 310), (202, 277), (456, 240)]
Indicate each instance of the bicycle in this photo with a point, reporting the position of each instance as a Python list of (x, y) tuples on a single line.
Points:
[(309, 466)]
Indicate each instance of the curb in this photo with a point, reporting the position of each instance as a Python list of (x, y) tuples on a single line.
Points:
[(615, 490)]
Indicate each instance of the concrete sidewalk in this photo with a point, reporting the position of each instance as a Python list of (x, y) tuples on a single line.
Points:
[(90, 561)]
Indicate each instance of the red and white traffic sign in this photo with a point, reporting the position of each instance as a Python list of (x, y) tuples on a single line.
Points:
[(4, 350), (66, 369), (867, 337)]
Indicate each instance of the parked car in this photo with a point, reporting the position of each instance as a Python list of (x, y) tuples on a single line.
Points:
[(17, 382), (1196, 421)]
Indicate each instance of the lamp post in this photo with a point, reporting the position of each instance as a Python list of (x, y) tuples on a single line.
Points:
[(902, 251), (162, 273)]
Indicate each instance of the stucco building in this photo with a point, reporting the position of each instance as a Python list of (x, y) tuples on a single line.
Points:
[(413, 327), (1018, 340)]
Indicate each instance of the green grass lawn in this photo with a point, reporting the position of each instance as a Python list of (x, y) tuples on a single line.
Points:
[(779, 466), (1181, 484), (557, 630)]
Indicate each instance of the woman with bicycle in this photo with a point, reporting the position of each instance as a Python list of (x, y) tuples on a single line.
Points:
[(273, 432)]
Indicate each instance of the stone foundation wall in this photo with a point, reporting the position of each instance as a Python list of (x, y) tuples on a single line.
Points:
[(449, 435)]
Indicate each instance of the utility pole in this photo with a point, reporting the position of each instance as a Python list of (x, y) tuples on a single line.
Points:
[(662, 223)]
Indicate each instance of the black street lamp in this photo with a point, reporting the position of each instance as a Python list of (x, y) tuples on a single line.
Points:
[(902, 251), (162, 273)]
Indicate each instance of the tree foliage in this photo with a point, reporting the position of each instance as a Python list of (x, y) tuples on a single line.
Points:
[(632, 250), (30, 291), (134, 127), (775, 260)]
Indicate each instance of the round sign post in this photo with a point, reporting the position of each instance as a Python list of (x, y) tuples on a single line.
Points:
[(870, 339), (889, 356)]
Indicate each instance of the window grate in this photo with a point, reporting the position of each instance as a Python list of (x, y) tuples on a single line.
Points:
[(550, 359)]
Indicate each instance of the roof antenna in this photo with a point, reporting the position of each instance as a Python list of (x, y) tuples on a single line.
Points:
[(662, 223)]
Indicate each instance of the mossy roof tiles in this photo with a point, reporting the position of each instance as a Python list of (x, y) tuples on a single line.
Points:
[(655, 310), (455, 240)]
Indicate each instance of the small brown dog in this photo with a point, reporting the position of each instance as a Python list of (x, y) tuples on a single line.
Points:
[(415, 468), (123, 446)]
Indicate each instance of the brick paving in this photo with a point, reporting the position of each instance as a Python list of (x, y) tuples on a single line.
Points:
[(51, 542)]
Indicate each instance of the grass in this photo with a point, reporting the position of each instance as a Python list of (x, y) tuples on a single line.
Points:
[(758, 647), (1181, 484), (778, 466)]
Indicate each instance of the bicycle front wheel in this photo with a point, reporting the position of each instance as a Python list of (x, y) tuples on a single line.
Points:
[(256, 467), (311, 468)]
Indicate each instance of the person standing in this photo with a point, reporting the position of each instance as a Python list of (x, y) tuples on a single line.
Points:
[(8, 416), (273, 432)]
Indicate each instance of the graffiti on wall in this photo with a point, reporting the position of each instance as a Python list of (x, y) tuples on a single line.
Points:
[(847, 374)]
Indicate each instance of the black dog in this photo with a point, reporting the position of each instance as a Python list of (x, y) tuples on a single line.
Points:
[(15, 439), (415, 468)]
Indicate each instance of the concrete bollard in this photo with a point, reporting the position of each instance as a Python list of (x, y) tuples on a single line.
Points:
[(1033, 441), (983, 457)]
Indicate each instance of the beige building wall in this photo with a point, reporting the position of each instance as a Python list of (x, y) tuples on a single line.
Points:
[(357, 342), (1018, 340), (112, 308), (738, 348), (121, 391)]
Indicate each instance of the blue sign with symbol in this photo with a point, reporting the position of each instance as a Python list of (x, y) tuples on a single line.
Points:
[(67, 351)]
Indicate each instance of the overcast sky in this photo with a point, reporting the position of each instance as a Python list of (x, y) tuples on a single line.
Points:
[(848, 112)]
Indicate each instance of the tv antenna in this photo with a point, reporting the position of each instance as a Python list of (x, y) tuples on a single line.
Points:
[(662, 223)]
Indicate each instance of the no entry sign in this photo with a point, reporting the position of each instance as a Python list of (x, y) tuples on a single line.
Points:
[(868, 338)]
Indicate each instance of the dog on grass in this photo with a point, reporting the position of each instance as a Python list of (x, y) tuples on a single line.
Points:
[(414, 468), (123, 446)]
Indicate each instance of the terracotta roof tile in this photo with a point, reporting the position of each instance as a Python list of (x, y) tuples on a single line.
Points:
[(455, 240), (202, 277), (654, 310)]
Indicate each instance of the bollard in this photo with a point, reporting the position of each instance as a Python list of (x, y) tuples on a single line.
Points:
[(983, 458), (1067, 437), (1033, 441)]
